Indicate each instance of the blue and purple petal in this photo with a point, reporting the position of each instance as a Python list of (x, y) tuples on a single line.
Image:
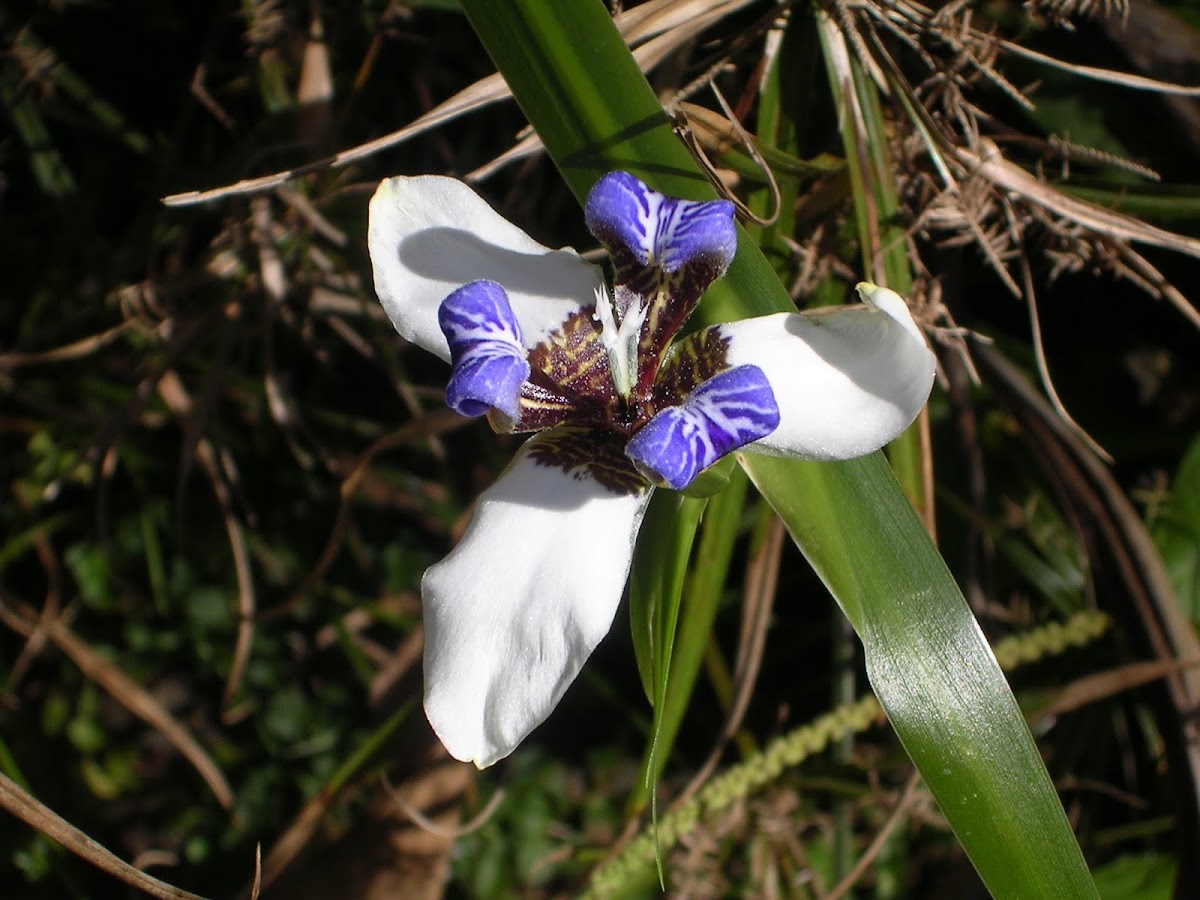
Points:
[(726, 412), (486, 350), (658, 231)]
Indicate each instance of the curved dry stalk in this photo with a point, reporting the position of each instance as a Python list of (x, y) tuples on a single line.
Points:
[(981, 161), (181, 334), (1111, 76), (396, 665), (964, 170), (664, 26), (751, 147), (1008, 176), (257, 882), (50, 611), (422, 821), (175, 396), (1089, 689), (927, 510), (525, 147), (1043, 367), (41, 818), (1142, 268), (484, 92), (300, 832), (304, 207), (907, 796), (289, 844), (659, 16), (75, 350), (246, 605), (127, 692)]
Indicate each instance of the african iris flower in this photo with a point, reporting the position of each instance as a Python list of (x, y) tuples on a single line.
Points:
[(539, 342)]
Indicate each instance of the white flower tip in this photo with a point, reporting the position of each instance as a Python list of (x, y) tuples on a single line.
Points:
[(459, 743), (382, 212), (892, 304), (383, 193)]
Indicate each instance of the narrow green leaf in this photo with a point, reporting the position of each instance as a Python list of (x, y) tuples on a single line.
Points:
[(655, 587), (51, 171), (932, 670), (71, 84), (656, 583), (698, 610), (1162, 203), (884, 245), (712, 480), (777, 130)]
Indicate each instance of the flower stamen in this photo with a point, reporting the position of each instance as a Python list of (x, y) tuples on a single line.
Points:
[(620, 340)]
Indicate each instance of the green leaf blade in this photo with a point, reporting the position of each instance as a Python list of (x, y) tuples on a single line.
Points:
[(932, 670)]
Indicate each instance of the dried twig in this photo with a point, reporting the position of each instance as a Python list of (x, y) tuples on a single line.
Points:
[(75, 350), (436, 422), (1043, 367), (125, 691), (175, 396), (41, 818), (869, 855), (425, 823), (664, 25), (1123, 79)]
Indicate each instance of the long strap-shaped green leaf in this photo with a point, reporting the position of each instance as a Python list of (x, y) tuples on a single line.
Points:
[(928, 662)]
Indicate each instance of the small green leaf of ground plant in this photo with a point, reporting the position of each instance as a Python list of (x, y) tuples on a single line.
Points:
[(1148, 876), (1176, 533)]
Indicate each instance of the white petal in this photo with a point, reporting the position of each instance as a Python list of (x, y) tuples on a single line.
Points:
[(512, 614), (429, 235), (846, 381)]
